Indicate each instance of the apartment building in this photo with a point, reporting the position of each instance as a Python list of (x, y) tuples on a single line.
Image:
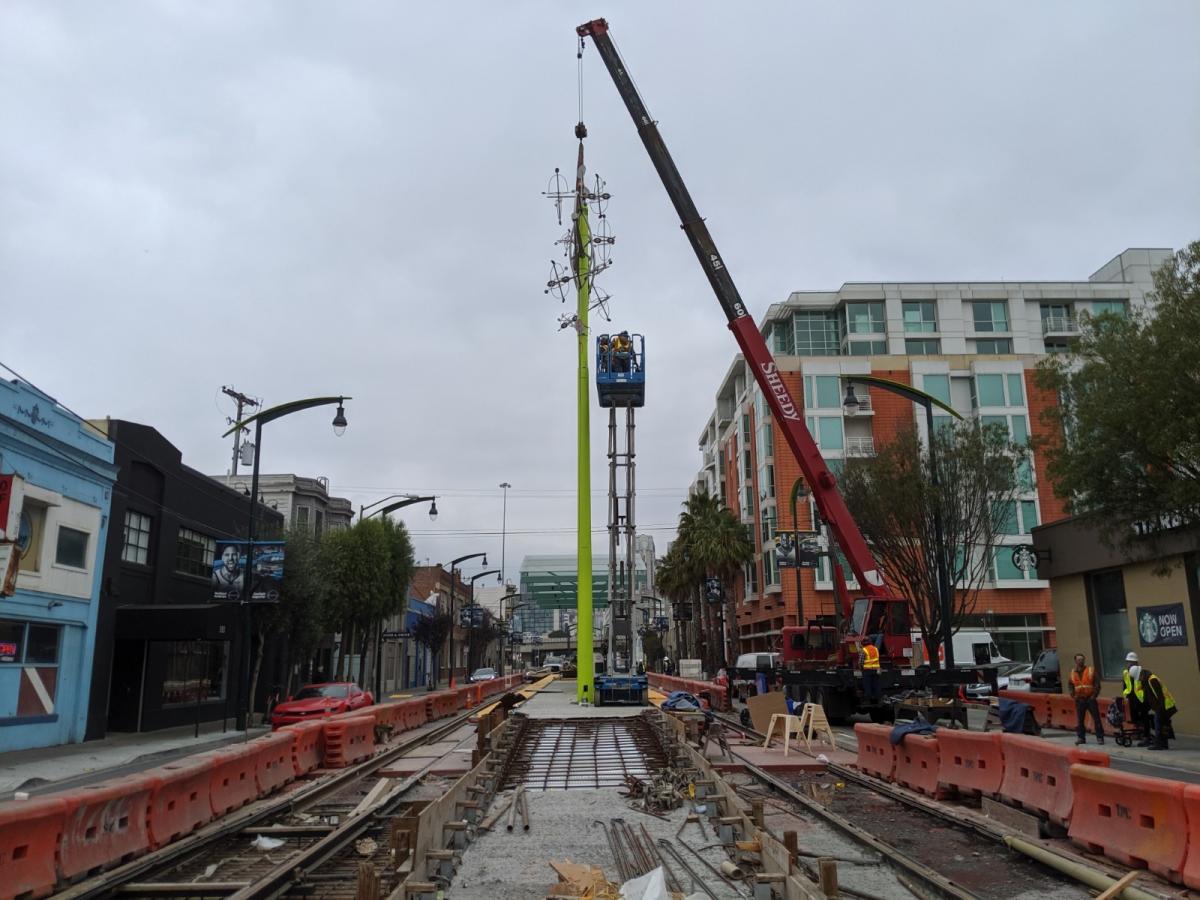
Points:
[(972, 345)]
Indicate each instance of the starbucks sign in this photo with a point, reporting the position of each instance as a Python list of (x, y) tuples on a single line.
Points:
[(1162, 626)]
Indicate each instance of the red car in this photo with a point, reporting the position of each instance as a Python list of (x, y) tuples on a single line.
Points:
[(316, 701)]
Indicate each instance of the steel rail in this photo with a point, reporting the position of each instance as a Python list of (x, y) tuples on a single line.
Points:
[(110, 882), (891, 855)]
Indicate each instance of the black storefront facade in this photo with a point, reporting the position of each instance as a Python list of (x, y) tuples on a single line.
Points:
[(166, 654)]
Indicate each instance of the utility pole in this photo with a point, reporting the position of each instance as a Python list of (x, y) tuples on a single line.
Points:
[(242, 402)]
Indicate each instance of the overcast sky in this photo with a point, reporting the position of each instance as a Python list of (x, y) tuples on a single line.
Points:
[(302, 198)]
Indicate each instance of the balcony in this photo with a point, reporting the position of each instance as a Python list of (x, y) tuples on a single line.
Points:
[(864, 399), (860, 446), (1060, 325)]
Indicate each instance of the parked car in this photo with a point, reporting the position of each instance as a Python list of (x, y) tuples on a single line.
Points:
[(487, 674), (553, 663), (1010, 676), (316, 701), (1046, 677)]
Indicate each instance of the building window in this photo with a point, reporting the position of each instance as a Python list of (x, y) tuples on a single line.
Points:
[(136, 548), (783, 338), (920, 316), (1058, 346), (818, 333), (194, 553), (29, 643), (302, 517), (990, 315), (31, 530), (320, 523), (1016, 390), (993, 346), (1110, 620), (922, 346), (866, 348), (865, 318), (829, 433), (1115, 307), (937, 386), (195, 672), (990, 390), (822, 392), (72, 548)]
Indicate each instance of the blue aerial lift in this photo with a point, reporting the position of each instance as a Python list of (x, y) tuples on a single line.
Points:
[(621, 382)]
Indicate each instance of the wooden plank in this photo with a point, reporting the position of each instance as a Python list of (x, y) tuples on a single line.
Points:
[(1119, 888), (763, 706)]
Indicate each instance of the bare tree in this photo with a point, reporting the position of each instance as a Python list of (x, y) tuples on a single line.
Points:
[(893, 500)]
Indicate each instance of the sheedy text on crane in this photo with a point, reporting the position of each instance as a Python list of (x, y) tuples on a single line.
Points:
[(780, 390)]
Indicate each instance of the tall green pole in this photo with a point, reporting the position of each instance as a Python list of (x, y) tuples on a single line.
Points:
[(584, 660)]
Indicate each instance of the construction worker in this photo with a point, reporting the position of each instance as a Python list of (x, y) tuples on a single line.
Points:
[(1086, 693), (604, 353), (869, 655), (621, 345), (1159, 703), (1132, 692)]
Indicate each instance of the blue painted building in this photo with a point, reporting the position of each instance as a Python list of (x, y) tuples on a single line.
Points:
[(59, 475)]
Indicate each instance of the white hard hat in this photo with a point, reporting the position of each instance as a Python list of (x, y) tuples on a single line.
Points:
[(1131, 657), (1135, 672)]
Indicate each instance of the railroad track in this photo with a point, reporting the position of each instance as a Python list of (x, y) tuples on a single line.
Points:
[(929, 849), (327, 830)]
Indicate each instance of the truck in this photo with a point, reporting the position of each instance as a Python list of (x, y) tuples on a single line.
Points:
[(822, 668)]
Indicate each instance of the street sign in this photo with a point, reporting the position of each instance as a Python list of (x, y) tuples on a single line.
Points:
[(397, 635)]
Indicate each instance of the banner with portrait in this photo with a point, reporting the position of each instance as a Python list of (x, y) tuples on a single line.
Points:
[(229, 572)]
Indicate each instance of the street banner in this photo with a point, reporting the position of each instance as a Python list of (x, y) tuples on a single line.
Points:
[(12, 498), (713, 591), (806, 553), (1162, 626), (229, 569)]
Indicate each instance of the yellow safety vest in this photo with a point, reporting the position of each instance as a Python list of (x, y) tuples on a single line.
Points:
[(870, 657), (1168, 700), (1134, 687)]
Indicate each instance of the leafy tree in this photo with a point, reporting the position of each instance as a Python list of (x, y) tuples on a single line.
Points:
[(892, 498), (356, 563), (710, 542), (431, 633), (676, 584), (1129, 407)]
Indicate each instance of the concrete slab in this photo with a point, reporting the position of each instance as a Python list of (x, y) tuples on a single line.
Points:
[(557, 701), (407, 765), (772, 758)]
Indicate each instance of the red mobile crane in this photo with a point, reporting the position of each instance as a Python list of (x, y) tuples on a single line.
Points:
[(819, 660)]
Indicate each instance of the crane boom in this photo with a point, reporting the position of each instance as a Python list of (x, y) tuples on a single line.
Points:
[(787, 412)]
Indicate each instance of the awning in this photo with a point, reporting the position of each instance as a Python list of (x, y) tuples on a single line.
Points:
[(177, 621)]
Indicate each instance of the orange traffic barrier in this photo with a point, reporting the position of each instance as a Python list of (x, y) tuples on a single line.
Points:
[(917, 765), (1138, 820), (234, 778), (106, 824), (273, 762), (876, 753), (1061, 711), (415, 714), (1191, 865), (347, 740), (30, 832), (180, 803), (308, 746), (971, 762), (1037, 774)]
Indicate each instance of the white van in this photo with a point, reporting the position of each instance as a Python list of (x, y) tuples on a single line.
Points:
[(971, 648)]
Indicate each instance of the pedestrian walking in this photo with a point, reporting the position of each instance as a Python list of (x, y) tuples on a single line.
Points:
[(1086, 693), (1160, 705)]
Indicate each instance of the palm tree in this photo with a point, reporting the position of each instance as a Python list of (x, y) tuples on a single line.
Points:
[(712, 542), (676, 583)]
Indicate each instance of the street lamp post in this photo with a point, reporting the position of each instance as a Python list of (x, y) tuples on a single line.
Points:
[(406, 500), (503, 528), (453, 565), (260, 419), (945, 589), (504, 617), (473, 579), (798, 491)]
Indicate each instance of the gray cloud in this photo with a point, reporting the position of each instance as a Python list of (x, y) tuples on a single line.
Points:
[(303, 198)]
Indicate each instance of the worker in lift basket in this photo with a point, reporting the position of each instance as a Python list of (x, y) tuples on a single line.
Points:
[(622, 345), (1086, 693), (869, 657)]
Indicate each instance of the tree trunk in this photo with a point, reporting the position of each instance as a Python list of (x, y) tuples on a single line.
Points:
[(363, 656)]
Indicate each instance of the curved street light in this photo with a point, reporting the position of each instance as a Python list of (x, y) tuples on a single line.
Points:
[(407, 500), (245, 701), (453, 565), (927, 401)]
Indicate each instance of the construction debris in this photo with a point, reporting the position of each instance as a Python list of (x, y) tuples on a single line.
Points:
[(577, 880), (666, 789)]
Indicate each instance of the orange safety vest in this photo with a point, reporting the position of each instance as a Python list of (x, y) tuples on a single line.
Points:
[(870, 656), (1083, 682)]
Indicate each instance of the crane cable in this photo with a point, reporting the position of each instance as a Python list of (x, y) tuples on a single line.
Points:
[(579, 66)]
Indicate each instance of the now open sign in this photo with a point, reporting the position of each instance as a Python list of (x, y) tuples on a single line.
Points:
[(1162, 626)]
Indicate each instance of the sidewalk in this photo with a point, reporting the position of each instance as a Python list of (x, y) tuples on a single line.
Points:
[(46, 769), (1181, 762)]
